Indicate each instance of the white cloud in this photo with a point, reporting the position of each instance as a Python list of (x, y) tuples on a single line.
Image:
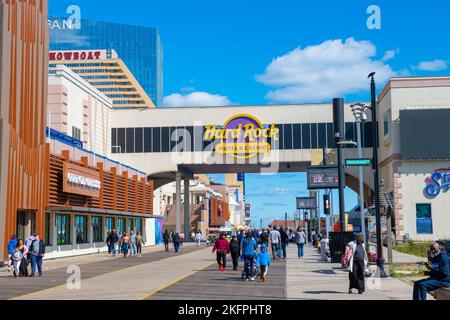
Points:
[(195, 99), (390, 54), (280, 191), (435, 65), (321, 72)]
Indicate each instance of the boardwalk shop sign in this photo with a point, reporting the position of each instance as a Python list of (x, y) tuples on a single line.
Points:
[(242, 136), (80, 180), (439, 180)]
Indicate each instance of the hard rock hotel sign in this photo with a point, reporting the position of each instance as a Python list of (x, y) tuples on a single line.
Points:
[(242, 136)]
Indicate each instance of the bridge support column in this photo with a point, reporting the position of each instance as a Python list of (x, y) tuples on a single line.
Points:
[(187, 220), (178, 201)]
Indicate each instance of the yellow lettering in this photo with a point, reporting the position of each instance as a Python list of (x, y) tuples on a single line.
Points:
[(209, 132)]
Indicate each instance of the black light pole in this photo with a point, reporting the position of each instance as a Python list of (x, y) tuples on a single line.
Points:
[(376, 174), (339, 136), (285, 220)]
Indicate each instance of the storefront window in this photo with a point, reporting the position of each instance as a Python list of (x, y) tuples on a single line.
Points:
[(121, 225), (62, 229), (424, 222), (82, 230), (109, 224), (48, 229), (130, 225), (97, 229), (138, 225)]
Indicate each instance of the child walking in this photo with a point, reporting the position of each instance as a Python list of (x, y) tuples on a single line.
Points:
[(221, 246), (263, 261), (17, 259)]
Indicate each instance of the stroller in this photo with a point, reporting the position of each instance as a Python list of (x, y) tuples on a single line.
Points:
[(256, 273)]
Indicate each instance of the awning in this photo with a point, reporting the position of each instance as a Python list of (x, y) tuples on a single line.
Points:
[(93, 211)]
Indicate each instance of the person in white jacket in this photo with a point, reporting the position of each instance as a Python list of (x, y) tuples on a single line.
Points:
[(357, 264)]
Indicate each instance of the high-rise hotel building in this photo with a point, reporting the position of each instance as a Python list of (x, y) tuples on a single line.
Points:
[(104, 70), (139, 47)]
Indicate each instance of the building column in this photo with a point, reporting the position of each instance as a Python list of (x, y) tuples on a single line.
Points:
[(187, 220), (178, 201)]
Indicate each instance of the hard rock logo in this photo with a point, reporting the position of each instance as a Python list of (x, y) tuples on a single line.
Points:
[(242, 136)]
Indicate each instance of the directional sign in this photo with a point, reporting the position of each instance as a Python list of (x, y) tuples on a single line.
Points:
[(364, 162)]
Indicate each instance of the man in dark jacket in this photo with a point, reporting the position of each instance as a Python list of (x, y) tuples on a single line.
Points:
[(37, 254), (166, 239), (264, 238), (284, 241), (439, 274), (176, 239), (235, 250)]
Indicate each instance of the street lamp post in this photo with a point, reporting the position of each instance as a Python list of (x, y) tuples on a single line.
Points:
[(360, 117), (376, 174)]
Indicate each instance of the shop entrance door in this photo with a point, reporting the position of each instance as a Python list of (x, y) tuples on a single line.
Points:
[(26, 223)]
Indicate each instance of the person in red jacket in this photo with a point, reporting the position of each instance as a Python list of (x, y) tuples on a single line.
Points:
[(222, 248)]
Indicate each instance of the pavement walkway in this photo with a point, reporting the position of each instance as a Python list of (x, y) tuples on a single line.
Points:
[(315, 280)]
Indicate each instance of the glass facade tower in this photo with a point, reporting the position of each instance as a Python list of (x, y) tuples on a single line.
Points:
[(139, 47)]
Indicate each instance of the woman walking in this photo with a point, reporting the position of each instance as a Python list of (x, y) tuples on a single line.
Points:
[(23, 271), (300, 240), (248, 251), (222, 248), (125, 241), (357, 263), (139, 243)]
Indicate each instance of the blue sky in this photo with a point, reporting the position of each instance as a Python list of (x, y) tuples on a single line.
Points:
[(226, 51)]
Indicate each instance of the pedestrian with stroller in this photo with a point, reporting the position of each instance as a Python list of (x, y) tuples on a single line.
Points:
[(263, 262), (248, 251), (221, 248), (235, 248)]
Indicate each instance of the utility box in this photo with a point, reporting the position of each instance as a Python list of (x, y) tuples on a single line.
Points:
[(338, 241)]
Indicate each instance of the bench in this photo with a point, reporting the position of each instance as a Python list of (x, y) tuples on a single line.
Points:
[(443, 294)]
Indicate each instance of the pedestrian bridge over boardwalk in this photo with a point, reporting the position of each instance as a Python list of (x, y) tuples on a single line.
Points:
[(232, 139)]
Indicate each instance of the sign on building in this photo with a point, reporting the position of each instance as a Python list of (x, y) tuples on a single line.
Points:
[(322, 177), (81, 180), (306, 203)]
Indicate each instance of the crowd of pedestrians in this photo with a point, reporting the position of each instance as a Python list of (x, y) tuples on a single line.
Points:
[(128, 244), (22, 254)]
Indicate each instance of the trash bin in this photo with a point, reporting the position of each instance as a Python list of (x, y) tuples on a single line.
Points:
[(338, 241)]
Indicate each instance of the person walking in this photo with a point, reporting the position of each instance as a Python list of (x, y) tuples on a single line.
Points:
[(275, 239), (132, 243), (139, 244), (284, 241), (235, 250), (125, 243), (113, 241), (263, 262), (264, 237), (37, 254), (119, 242), (166, 238), (439, 273), (12, 244), (248, 251), (108, 242), (357, 264), (23, 270), (193, 236), (222, 248), (16, 257), (300, 240), (198, 238), (176, 241)]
